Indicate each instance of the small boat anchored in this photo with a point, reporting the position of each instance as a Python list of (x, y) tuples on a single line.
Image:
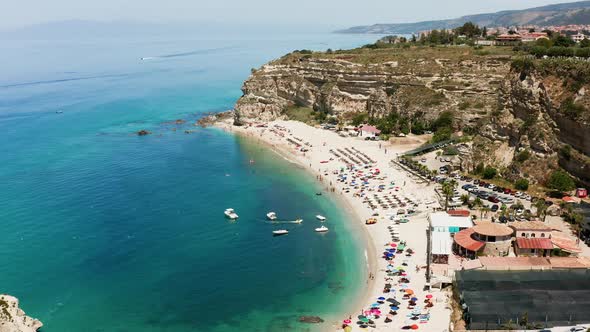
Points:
[(280, 232), (320, 218), (322, 229), (231, 214), (271, 216), (298, 221)]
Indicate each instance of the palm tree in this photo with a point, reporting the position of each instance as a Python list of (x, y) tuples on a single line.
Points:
[(465, 199), (477, 203), (448, 190), (541, 209), (484, 209)]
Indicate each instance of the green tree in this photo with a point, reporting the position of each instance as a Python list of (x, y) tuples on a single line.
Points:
[(522, 184), (544, 42), (585, 43), (561, 181), (489, 172), (563, 41), (448, 190)]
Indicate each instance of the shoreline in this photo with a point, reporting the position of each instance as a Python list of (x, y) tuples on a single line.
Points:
[(368, 243), (287, 138)]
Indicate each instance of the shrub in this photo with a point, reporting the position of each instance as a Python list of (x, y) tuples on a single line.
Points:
[(489, 172), (442, 134), (561, 181), (479, 168), (523, 156), (450, 151), (522, 184)]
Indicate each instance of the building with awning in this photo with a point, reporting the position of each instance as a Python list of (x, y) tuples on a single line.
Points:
[(449, 222), (442, 247), (465, 245), (533, 238)]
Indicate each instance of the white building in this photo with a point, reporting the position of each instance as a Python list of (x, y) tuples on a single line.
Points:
[(579, 37)]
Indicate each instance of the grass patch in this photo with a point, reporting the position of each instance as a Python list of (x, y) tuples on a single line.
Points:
[(301, 114)]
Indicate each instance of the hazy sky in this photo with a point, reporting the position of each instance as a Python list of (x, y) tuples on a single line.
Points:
[(339, 13)]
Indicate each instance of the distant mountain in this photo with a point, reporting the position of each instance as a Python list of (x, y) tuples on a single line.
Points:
[(558, 14)]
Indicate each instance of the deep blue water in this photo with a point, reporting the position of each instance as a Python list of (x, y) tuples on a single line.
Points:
[(102, 230)]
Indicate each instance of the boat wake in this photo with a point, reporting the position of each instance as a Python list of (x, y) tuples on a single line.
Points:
[(183, 54)]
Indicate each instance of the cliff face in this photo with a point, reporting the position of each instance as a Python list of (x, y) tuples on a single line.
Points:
[(423, 85), (13, 318), (521, 116), (545, 111)]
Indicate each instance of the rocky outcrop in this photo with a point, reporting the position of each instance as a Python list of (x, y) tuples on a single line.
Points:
[(340, 86), (546, 114), (13, 318)]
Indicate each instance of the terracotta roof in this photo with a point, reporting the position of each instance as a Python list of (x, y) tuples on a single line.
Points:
[(566, 244), (534, 243), (569, 263), (514, 263), (492, 229), (530, 226), (464, 239), (461, 213)]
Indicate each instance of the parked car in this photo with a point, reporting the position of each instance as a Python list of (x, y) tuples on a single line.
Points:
[(483, 195), (476, 181), (494, 208), (491, 186), (578, 329), (466, 186), (468, 179), (493, 199), (507, 191)]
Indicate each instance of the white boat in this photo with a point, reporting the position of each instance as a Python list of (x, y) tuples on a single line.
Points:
[(320, 217), (271, 216), (280, 232), (231, 214), (322, 229), (298, 221)]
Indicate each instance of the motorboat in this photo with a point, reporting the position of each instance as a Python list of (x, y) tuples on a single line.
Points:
[(271, 216), (322, 229), (280, 232), (231, 214), (320, 217), (298, 221)]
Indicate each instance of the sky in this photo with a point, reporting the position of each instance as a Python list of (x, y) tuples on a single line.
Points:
[(334, 13)]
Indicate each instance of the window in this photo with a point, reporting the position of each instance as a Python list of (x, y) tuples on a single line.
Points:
[(533, 235), (542, 234), (523, 235)]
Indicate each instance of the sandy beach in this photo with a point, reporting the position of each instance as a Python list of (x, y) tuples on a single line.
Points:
[(363, 191)]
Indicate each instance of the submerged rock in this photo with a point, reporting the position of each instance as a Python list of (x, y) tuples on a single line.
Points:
[(311, 319), (13, 318), (143, 132)]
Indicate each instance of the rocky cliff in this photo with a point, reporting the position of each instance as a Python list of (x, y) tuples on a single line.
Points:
[(522, 113), (13, 318), (421, 82)]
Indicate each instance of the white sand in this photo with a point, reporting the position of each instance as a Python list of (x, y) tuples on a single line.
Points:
[(414, 232)]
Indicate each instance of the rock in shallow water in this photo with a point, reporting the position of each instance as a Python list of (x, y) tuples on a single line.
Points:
[(311, 319)]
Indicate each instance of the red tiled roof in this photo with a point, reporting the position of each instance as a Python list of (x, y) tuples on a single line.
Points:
[(566, 244), (534, 243), (464, 239), (458, 213)]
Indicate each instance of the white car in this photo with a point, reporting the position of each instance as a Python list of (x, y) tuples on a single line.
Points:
[(578, 329), (492, 186), (518, 194)]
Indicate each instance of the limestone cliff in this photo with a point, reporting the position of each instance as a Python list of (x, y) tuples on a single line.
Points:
[(422, 82), (13, 318)]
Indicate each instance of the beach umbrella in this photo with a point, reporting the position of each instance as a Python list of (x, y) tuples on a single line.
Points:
[(414, 299), (394, 308), (347, 321), (414, 327), (347, 328), (409, 291), (393, 245), (381, 298), (429, 296), (364, 320), (375, 305), (377, 312)]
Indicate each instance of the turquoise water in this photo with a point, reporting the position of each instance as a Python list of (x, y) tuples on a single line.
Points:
[(103, 230)]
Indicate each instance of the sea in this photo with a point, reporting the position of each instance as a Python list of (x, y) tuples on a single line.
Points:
[(105, 230)]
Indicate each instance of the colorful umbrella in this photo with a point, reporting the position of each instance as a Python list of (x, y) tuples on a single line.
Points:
[(347, 321), (414, 327), (429, 296), (347, 328), (381, 298), (364, 320)]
